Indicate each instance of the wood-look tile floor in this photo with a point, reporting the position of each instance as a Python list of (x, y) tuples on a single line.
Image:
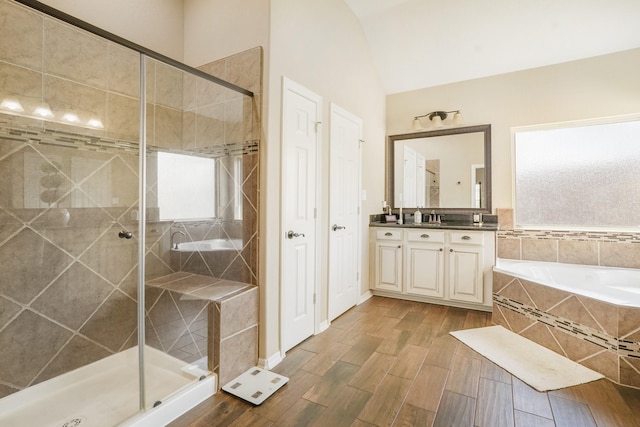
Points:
[(390, 362)]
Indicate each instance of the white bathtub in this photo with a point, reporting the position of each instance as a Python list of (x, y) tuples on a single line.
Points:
[(211, 245), (619, 286), (105, 394)]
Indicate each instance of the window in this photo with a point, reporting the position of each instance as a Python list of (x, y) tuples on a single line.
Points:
[(186, 187), (574, 176)]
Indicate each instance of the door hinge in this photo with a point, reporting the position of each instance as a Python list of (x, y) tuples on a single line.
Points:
[(317, 125), (314, 298), (315, 213)]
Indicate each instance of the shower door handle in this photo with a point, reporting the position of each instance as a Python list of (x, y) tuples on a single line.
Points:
[(125, 234)]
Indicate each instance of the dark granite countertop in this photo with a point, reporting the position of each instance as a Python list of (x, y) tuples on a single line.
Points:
[(445, 225)]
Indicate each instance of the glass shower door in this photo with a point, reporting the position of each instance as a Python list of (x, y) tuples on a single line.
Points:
[(69, 131)]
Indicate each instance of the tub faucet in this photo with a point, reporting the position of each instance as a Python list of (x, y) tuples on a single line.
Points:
[(175, 245)]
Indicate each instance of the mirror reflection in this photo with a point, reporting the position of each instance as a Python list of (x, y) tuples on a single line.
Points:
[(441, 169)]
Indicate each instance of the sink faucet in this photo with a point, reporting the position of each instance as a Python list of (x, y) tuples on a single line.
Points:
[(175, 245), (435, 218)]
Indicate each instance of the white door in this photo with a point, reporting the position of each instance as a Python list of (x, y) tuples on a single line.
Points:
[(409, 190), (344, 210), (301, 114), (421, 183)]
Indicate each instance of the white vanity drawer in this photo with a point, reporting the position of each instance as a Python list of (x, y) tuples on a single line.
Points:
[(425, 235), (388, 234), (467, 237)]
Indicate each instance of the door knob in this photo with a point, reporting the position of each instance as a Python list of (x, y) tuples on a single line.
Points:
[(291, 234), (125, 234), (338, 227)]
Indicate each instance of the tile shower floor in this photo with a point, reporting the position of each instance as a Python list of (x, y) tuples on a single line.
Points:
[(104, 393)]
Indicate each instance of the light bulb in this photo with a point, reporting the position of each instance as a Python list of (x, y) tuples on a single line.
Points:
[(95, 122), (12, 104), (70, 117), (43, 110)]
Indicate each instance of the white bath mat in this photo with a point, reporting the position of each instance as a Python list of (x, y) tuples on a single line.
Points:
[(255, 385), (532, 363)]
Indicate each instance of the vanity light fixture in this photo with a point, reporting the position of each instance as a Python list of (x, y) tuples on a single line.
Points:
[(12, 104), (436, 118)]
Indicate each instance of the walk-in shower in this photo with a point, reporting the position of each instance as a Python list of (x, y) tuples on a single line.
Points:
[(87, 213)]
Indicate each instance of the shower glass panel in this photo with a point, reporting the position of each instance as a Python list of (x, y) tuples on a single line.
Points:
[(194, 128), (69, 160)]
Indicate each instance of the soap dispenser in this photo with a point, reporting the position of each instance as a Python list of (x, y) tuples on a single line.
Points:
[(417, 216)]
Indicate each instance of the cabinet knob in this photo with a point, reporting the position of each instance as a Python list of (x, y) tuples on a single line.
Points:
[(424, 236), (441, 249), (450, 250), (388, 234), (399, 246), (466, 237)]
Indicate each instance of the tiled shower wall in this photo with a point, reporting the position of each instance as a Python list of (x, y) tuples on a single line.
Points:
[(67, 290)]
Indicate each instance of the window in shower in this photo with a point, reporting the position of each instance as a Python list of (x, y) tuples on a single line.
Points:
[(578, 176), (186, 187)]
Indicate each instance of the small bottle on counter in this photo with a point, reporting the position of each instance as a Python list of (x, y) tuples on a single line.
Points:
[(417, 216)]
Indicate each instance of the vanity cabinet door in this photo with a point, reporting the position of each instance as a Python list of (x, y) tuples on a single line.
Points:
[(388, 264), (465, 273), (425, 270)]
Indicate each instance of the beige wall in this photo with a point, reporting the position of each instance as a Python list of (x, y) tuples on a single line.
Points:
[(156, 25), (215, 29), (602, 86), (320, 45)]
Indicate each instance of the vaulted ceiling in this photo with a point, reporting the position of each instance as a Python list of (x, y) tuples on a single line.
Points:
[(422, 43)]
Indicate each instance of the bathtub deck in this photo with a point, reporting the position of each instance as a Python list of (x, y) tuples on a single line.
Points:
[(392, 362)]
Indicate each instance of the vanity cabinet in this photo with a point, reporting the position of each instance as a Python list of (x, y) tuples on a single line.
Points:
[(388, 254), (465, 266), (451, 267), (424, 269)]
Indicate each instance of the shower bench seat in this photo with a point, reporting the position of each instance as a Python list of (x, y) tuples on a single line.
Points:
[(232, 319)]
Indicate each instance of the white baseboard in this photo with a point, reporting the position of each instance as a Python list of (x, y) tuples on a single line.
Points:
[(323, 326), (270, 362), (364, 297)]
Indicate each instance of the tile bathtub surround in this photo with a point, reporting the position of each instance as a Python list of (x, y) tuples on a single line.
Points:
[(610, 249), (602, 336)]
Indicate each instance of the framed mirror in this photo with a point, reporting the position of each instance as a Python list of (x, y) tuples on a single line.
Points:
[(445, 170)]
